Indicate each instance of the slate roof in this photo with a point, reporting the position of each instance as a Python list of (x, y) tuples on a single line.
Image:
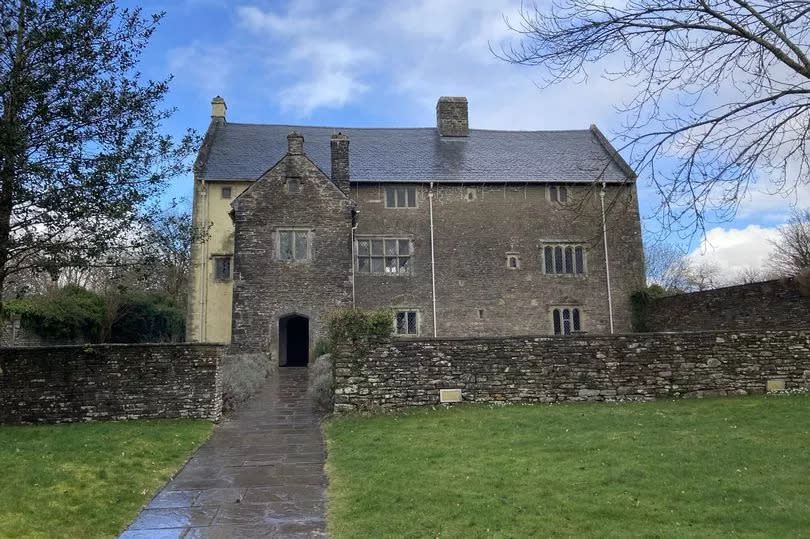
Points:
[(246, 151)]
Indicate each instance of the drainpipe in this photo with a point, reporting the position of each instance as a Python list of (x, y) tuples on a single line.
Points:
[(607, 260), (354, 227), (204, 266), (432, 261)]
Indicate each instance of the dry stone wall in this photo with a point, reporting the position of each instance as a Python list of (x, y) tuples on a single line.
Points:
[(776, 304), (111, 382), (549, 369)]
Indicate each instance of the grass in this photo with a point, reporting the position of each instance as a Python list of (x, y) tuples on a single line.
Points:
[(89, 479), (685, 468)]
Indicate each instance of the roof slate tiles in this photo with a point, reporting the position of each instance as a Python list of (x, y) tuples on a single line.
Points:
[(246, 151)]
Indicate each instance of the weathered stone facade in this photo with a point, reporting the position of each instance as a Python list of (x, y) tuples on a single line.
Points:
[(477, 294), (266, 288), (112, 382), (776, 304), (550, 369), (480, 207)]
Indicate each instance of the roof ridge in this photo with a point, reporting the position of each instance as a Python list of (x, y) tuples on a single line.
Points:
[(338, 127)]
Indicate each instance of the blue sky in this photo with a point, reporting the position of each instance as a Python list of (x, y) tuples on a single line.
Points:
[(373, 63)]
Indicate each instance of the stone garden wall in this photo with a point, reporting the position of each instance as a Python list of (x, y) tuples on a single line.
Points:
[(547, 369), (776, 304), (81, 383)]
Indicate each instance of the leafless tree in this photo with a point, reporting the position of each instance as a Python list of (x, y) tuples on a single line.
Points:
[(752, 274), (721, 86), (666, 266), (791, 250)]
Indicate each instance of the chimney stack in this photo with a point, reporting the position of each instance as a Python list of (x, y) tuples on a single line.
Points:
[(340, 161), (295, 144), (451, 117), (218, 108)]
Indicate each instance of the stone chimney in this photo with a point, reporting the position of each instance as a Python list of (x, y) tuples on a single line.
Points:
[(451, 117), (218, 108), (295, 144), (340, 161)]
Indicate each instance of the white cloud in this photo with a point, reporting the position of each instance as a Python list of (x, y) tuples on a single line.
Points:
[(733, 250)]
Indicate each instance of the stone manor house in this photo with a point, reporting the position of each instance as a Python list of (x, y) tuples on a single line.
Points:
[(461, 232)]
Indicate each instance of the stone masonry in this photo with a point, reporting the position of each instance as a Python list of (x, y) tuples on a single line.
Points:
[(550, 369), (776, 304), (82, 383), (267, 288)]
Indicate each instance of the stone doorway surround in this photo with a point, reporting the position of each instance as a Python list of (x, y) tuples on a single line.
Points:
[(261, 474)]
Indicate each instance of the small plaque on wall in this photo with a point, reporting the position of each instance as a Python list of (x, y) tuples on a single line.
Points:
[(449, 395)]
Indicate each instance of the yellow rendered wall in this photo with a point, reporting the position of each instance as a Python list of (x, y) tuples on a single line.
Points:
[(216, 297)]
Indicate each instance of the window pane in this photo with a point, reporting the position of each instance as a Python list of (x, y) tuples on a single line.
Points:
[(580, 257), (285, 245), (404, 247), (390, 247), (569, 260), (402, 323), (390, 201), (563, 193), (513, 262), (301, 241), (566, 314), (363, 265), (412, 323), (362, 247), (400, 197), (377, 265), (576, 320), (549, 255), (377, 247), (404, 261), (556, 321), (293, 186), (558, 260), (552, 193), (411, 197), (391, 264)]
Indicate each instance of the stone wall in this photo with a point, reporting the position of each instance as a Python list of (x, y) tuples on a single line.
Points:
[(475, 226), (777, 304), (14, 333), (111, 382), (548, 369)]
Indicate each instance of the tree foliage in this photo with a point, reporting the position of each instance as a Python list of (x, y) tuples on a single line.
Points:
[(81, 148), (69, 313), (721, 90)]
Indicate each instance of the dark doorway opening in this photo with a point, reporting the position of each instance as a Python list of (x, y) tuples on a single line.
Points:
[(293, 333)]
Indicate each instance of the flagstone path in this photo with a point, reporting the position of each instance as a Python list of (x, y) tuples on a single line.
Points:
[(260, 475)]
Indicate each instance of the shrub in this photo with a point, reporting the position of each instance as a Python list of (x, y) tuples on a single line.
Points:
[(148, 319), (323, 346), (640, 305), (68, 313), (242, 377), (321, 383), (354, 325)]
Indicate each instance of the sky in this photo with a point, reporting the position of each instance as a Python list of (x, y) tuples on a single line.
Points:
[(384, 64)]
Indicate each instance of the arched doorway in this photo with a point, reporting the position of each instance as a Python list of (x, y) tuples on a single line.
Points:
[(293, 341)]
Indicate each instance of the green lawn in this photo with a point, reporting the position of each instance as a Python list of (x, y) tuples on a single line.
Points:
[(686, 468), (89, 479)]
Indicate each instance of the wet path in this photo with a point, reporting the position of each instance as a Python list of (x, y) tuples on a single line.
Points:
[(260, 474)]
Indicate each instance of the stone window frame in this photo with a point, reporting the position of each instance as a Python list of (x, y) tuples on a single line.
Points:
[(226, 192), (557, 193), (575, 319), (513, 261), (559, 253), (216, 260), (417, 315), (384, 256), (395, 188), (292, 180), (294, 229), (471, 194)]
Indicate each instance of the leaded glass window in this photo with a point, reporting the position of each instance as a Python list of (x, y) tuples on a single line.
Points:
[(294, 245), (564, 259), (406, 323), (387, 256), (566, 320)]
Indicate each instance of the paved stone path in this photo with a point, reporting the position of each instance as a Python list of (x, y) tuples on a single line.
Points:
[(260, 475)]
